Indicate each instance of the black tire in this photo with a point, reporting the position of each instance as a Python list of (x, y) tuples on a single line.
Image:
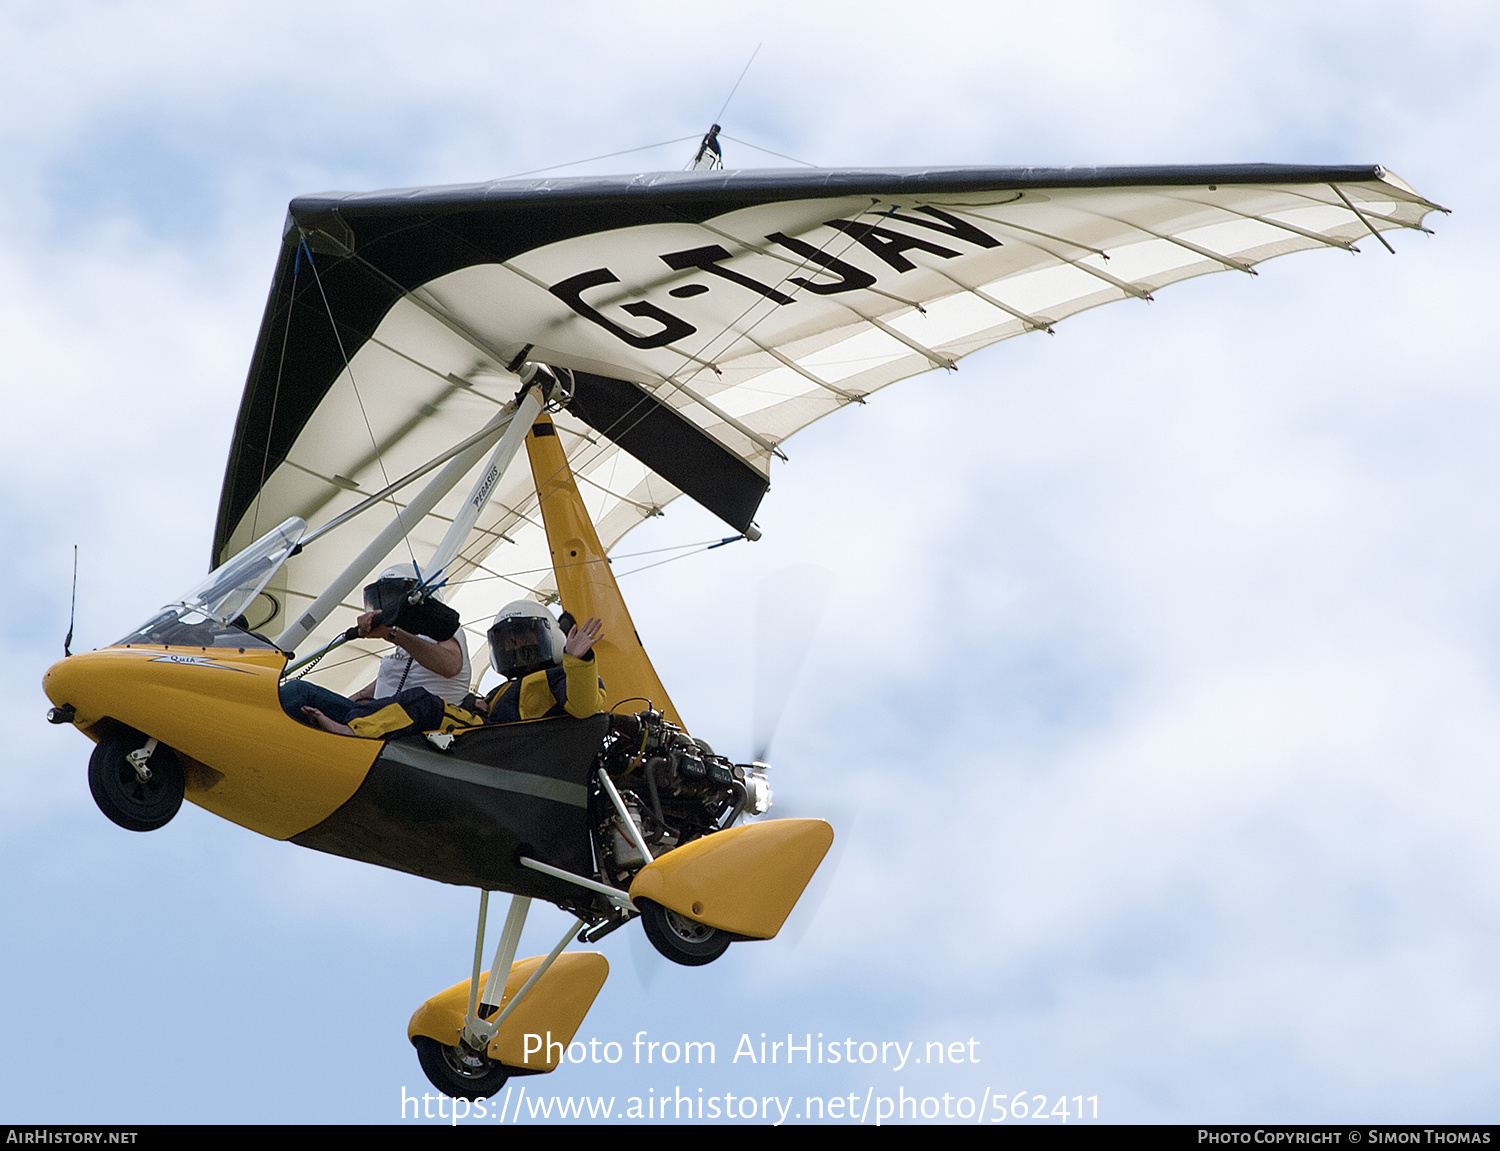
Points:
[(679, 938), (122, 796), (459, 1072)]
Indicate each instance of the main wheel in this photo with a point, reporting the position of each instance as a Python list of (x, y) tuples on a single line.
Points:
[(459, 1072), (133, 803), (679, 938)]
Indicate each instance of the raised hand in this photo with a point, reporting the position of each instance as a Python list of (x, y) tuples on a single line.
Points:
[(583, 637)]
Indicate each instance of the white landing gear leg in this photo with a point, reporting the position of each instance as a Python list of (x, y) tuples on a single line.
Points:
[(479, 1031), (468, 1056)]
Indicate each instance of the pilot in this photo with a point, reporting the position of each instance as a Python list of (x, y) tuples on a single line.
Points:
[(546, 675), (430, 650)]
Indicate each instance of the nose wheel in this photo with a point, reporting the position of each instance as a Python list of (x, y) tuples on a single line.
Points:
[(459, 1072), (680, 939), (136, 789)]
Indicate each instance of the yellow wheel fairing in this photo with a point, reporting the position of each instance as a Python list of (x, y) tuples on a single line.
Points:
[(745, 880), (557, 1004), (245, 758)]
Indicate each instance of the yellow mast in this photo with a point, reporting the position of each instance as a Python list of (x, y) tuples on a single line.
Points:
[(585, 582)]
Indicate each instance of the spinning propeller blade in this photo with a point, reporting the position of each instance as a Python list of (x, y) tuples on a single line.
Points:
[(790, 607)]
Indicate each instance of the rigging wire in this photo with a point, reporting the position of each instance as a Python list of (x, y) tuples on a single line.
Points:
[(591, 159), (710, 156), (291, 304), (767, 151), (477, 628), (706, 545), (673, 559), (719, 118), (686, 549), (348, 367), (609, 432)]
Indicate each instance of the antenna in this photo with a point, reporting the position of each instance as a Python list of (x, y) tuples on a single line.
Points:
[(710, 156), (73, 607)]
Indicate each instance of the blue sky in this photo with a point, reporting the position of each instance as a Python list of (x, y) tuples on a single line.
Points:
[(1158, 701)]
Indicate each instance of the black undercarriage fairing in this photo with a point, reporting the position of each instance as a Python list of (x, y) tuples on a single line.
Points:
[(466, 815)]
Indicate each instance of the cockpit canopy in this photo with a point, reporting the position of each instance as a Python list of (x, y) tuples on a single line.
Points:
[(221, 611)]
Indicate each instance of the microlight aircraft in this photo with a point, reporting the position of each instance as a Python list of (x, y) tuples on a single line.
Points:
[(638, 338)]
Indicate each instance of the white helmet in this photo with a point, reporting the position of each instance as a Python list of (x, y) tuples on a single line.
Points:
[(524, 638)]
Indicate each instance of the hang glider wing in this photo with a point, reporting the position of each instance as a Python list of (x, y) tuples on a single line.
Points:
[(706, 318)]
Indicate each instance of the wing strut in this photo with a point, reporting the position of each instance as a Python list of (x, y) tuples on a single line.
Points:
[(484, 437), (510, 423), (381, 546), (528, 406)]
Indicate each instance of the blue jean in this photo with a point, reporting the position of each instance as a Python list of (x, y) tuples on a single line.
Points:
[(298, 693)]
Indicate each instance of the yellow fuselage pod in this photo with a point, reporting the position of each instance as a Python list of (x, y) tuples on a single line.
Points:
[(550, 1014), (244, 758), (584, 581), (745, 880)]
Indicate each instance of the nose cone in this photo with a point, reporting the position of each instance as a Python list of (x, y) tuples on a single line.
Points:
[(78, 680), (60, 680)]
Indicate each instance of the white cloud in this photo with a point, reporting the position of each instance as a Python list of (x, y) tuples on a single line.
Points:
[(1160, 676)]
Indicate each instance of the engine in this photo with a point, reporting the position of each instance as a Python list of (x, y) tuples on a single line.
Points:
[(675, 787)]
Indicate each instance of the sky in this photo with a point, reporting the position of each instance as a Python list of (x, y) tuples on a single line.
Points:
[(1156, 705)]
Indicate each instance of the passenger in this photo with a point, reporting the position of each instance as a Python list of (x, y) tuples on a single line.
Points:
[(430, 651), (546, 675)]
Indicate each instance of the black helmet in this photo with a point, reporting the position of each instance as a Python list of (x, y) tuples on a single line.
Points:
[(387, 594)]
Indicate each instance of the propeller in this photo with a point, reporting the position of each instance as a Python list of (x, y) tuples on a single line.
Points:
[(790, 606)]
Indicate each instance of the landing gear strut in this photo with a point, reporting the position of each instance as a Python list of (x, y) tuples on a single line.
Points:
[(464, 1070)]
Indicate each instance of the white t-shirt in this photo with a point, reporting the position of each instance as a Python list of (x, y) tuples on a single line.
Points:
[(402, 664)]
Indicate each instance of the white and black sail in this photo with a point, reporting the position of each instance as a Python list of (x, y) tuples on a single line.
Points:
[(706, 316)]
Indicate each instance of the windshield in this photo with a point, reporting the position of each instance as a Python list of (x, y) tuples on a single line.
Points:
[(213, 613)]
